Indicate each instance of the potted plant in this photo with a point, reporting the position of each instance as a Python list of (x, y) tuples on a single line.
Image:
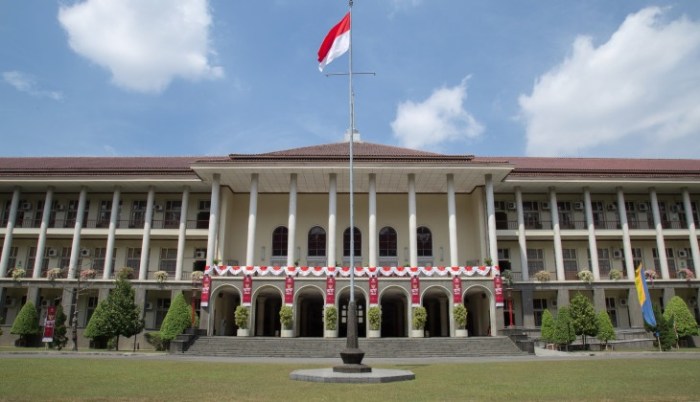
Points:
[(615, 274), (374, 315), (460, 315), (586, 276), (420, 316), (507, 277), (197, 275), (125, 273), (54, 273), (287, 321), (543, 276), (330, 321), (18, 274), (488, 261), (160, 276), (88, 274), (241, 317), (650, 275), (687, 274)]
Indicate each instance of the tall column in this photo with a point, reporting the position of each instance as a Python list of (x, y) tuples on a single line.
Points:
[(412, 224), (213, 219), (372, 220), (75, 247), (146, 242), (292, 222), (41, 243), (112, 233), (592, 242), (558, 254), (491, 220), (452, 220), (522, 239), (182, 233), (692, 232), (626, 243), (7, 242), (660, 242), (252, 217), (332, 211)]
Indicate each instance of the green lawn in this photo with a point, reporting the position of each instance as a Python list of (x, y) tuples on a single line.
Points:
[(60, 378)]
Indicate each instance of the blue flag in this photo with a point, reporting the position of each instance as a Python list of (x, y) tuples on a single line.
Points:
[(640, 283)]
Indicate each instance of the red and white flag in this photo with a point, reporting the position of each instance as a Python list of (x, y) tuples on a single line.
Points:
[(335, 44)]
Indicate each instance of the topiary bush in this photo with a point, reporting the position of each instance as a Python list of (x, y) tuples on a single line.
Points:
[(460, 315), (330, 317), (420, 316), (177, 319), (26, 324), (547, 327), (287, 317), (242, 316), (375, 318), (606, 331), (684, 323)]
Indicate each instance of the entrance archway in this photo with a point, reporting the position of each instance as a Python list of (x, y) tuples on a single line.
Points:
[(309, 312), (343, 301), (226, 299), (436, 303), (268, 302), (477, 301), (394, 302)]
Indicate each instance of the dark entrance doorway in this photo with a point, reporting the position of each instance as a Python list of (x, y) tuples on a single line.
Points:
[(394, 310), (310, 313), (436, 305), (267, 312)]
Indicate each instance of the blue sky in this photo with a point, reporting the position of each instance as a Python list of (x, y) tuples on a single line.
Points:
[(197, 77)]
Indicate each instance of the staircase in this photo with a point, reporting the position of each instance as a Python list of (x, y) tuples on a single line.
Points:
[(373, 348)]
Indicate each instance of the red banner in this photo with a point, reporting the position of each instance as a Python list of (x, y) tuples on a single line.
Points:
[(247, 290), (206, 289), (457, 290), (330, 290), (415, 290), (49, 324), (289, 290), (498, 290), (373, 290)]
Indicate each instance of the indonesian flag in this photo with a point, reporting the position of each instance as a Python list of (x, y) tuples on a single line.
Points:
[(335, 44)]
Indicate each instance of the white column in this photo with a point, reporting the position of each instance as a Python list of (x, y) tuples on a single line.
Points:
[(692, 231), (626, 243), (660, 242), (146, 242), (412, 224), (491, 220), (332, 210), (558, 255), (182, 233), (213, 219), (592, 242), (75, 247), (372, 220), (522, 239), (292, 222), (452, 220), (252, 217), (41, 243), (112, 233), (7, 242)]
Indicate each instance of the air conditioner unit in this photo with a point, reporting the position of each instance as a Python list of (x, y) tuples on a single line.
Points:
[(612, 207), (200, 255), (85, 252), (158, 208), (682, 253), (60, 207), (682, 264), (10, 301), (623, 301), (512, 206), (52, 252), (545, 206), (617, 254), (26, 206), (578, 206), (148, 306)]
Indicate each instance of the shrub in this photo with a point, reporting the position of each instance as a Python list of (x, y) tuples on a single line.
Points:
[(606, 331), (420, 316), (586, 276), (287, 317), (26, 323), (177, 319), (197, 275), (547, 327), (99, 328), (18, 274), (543, 276), (241, 316), (88, 274), (375, 318), (663, 329), (60, 330), (330, 317), (615, 274), (160, 276), (583, 317), (460, 314), (564, 332), (507, 277), (684, 323), (125, 273), (54, 273)]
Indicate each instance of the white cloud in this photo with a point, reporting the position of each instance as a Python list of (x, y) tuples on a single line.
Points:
[(635, 95), (26, 83), (144, 44), (439, 119)]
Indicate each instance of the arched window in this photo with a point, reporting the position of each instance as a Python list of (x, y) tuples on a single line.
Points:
[(317, 242), (357, 242), (387, 242), (279, 241), (425, 242)]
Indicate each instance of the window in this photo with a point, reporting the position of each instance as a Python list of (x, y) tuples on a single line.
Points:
[(171, 218), (612, 311), (31, 260), (570, 264), (138, 214), (538, 308), (598, 208), (99, 259), (133, 258), (72, 213), (92, 302), (535, 260), (531, 213), (317, 242), (104, 213), (501, 220), (504, 259), (632, 219), (12, 261), (669, 259), (203, 215), (64, 261), (357, 242), (279, 241), (425, 242), (566, 217), (603, 261), (168, 260), (387, 242)]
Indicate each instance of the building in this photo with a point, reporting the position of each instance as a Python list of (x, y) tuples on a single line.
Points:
[(281, 220)]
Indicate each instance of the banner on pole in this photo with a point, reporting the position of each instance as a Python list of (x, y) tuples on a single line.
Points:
[(289, 290), (206, 288), (247, 290), (415, 290), (498, 290), (373, 290), (330, 290), (457, 290), (49, 324)]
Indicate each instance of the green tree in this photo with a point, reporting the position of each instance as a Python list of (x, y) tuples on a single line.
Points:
[(99, 328), (124, 315), (684, 323), (60, 330), (176, 320), (606, 331), (26, 323), (547, 327), (583, 317), (564, 332), (663, 329)]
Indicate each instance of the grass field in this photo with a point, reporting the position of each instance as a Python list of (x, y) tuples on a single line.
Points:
[(59, 378)]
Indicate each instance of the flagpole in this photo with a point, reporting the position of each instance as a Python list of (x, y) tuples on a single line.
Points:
[(352, 140)]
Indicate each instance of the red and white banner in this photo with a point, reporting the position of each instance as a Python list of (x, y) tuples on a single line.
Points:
[(415, 290), (289, 290), (498, 290), (206, 289), (344, 272), (330, 290), (457, 290), (336, 42), (247, 290), (49, 324), (373, 290)]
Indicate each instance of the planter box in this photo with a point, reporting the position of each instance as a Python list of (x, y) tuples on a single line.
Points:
[(374, 333), (287, 333), (243, 332), (461, 333), (330, 333), (417, 333)]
